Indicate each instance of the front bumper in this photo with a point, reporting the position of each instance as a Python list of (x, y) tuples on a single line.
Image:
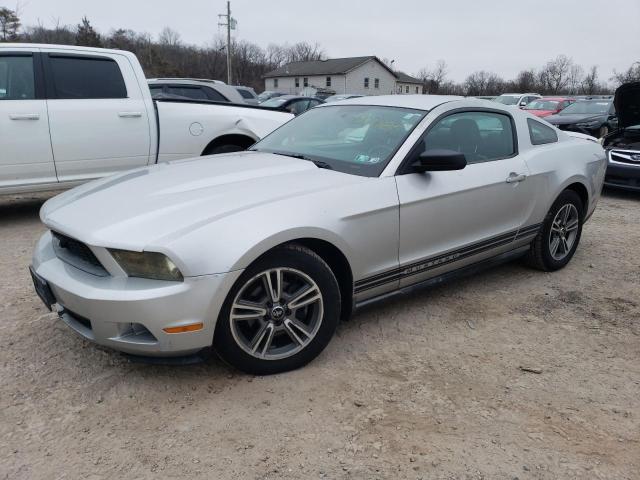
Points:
[(129, 314), (623, 176)]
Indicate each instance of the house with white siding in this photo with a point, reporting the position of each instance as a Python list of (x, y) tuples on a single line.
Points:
[(354, 75)]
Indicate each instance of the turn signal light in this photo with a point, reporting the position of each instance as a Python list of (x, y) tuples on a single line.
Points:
[(194, 327)]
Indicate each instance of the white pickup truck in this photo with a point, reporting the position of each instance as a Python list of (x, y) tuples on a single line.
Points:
[(70, 114)]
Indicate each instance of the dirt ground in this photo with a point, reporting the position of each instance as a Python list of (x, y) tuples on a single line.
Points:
[(425, 386)]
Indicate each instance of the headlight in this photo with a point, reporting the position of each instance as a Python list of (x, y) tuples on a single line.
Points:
[(153, 265), (589, 124)]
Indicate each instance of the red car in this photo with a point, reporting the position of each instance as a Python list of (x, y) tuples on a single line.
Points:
[(543, 107)]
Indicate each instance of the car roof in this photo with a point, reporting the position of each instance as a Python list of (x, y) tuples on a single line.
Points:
[(188, 81), (296, 97), (419, 102)]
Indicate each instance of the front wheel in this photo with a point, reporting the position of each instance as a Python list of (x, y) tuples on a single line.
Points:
[(280, 314), (558, 239)]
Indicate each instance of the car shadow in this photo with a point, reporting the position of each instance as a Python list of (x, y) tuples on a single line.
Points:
[(621, 194), (15, 208)]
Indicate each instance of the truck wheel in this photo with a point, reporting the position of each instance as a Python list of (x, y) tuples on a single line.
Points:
[(224, 149), (559, 236), (280, 314)]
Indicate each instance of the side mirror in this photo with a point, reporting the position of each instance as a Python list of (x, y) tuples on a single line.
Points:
[(439, 161), (523, 104)]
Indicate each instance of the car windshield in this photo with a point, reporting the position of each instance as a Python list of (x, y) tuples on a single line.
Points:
[(506, 99), (542, 105), (265, 96), (274, 102), (355, 139), (588, 107)]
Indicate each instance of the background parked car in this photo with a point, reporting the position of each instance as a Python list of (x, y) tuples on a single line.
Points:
[(194, 89), (344, 96), (268, 94), (623, 145), (96, 118), (592, 117), (545, 106), (292, 103), (249, 94), (520, 99)]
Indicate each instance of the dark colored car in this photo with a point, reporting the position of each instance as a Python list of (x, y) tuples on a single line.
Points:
[(292, 103), (592, 117), (623, 145), (269, 94)]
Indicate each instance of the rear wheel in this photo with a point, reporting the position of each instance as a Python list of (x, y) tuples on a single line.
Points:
[(280, 314), (558, 239)]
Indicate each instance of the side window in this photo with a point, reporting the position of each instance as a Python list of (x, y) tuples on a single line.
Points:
[(216, 96), (88, 77), (541, 133), (16, 78), (481, 136), (155, 90), (366, 82), (195, 93), (243, 93)]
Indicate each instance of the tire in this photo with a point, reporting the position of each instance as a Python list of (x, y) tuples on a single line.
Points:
[(260, 339), (224, 149), (541, 254)]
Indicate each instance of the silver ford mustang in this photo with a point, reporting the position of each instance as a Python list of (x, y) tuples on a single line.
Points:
[(261, 253)]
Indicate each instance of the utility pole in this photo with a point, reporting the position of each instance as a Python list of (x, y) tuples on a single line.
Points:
[(231, 25)]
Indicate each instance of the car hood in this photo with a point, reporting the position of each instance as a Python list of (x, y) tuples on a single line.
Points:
[(627, 103), (159, 203), (575, 118)]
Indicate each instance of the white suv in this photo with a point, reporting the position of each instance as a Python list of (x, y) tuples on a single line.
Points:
[(519, 99)]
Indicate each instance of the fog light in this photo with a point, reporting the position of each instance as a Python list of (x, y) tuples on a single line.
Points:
[(193, 327)]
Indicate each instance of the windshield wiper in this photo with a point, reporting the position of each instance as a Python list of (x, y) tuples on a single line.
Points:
[(318, 163)]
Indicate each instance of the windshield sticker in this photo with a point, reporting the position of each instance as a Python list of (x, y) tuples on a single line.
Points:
[(361, 158)]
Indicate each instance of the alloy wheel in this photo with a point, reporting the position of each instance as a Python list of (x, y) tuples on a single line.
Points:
[(276, 313), (564, 231)]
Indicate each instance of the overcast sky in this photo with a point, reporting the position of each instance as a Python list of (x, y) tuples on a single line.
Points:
[(503, 36)]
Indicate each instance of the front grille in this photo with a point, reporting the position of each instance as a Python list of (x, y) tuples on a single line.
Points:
[(625, 157), (78, 254)]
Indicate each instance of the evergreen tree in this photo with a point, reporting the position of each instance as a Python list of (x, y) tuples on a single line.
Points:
[(86, 35)]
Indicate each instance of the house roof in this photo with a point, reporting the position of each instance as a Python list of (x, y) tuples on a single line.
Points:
[(332, 66), (404, 78)]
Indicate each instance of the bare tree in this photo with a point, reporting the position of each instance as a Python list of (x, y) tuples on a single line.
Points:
[(632, 74), (483, 83), (169, 37), (556, 74), (304, 52), (526, 81), (433, 78), (589, 84)]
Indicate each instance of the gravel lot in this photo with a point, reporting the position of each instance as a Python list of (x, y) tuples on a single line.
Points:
[(424, 386)]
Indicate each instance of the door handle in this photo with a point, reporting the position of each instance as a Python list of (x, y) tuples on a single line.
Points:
[(129, 114), (516, 177), (24, 116)]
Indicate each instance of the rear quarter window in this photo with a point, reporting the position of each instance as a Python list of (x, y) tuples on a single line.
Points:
[(77, 77), (541, 134)]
